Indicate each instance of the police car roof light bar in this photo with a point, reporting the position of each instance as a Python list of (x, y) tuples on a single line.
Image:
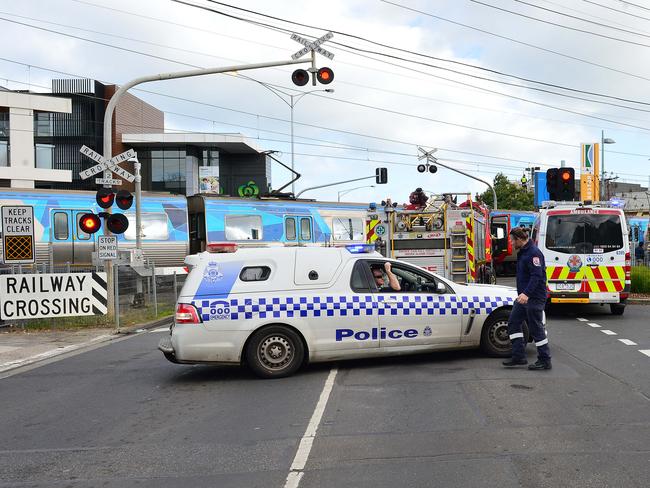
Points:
[(360, 248), (221, 247)]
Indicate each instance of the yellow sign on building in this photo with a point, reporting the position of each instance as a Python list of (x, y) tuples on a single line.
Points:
[(589, 171)]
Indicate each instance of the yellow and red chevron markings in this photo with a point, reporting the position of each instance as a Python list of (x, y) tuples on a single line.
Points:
[(470, 248), (594, 279), (371, 237)]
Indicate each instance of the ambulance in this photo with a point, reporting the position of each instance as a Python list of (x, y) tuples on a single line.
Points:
[(587, 253), (275, 309)]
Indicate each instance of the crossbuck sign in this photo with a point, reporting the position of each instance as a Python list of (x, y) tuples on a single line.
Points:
[(312, 46), (107, 164)]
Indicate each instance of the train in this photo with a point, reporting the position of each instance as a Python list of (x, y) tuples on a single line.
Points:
[(174, 226)]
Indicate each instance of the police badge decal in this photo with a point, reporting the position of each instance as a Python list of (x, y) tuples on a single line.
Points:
[(427, 331), (212, 273)]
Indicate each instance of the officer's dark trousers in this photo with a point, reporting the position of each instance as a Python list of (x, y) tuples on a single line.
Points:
[(532, 313)]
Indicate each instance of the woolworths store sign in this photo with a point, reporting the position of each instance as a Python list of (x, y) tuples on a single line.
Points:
[(52, 295)]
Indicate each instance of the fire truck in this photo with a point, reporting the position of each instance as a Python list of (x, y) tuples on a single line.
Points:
[(501, 223), (437, 234), (587, 253)]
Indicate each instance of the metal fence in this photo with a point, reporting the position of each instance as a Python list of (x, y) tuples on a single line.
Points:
[(138, 299)]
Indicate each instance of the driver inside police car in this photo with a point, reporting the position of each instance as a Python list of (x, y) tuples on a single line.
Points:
[(380, 281)]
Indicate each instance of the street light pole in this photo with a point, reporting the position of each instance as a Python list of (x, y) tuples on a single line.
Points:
[(603, 140), (343, 192)]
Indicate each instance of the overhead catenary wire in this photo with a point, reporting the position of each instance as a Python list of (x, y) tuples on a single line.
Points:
[(384, 139)]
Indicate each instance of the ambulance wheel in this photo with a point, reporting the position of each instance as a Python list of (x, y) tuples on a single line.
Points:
[(275, 352), (495, 340), (617, 308)]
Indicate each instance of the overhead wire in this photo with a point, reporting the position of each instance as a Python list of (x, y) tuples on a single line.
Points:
[(636, 16)]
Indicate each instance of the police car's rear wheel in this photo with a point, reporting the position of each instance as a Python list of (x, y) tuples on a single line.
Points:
[(495, 340), (274, 352)]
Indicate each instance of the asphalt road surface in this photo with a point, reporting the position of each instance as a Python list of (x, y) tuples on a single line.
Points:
[(122, 416)]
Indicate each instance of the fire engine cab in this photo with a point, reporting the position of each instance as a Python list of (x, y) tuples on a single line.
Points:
[(437, 234), (587, 253)]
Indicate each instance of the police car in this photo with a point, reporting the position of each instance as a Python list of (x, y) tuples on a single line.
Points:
[(275, 309)]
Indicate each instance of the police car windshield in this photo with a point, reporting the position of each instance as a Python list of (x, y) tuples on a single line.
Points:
[(584, 234)]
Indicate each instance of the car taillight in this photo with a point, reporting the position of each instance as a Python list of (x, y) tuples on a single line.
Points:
[(628, 266), (220, 247), (186, 314)]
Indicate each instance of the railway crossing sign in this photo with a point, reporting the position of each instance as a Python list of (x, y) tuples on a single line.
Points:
[(17, 234), (312, 46), (107, 164)]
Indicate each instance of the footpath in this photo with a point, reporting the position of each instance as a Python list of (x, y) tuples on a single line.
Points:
[(20, 348)]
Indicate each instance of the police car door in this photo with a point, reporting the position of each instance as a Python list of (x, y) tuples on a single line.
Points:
[(419, 314)]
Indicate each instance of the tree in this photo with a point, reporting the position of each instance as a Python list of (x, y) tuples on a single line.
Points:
[(510, 195)]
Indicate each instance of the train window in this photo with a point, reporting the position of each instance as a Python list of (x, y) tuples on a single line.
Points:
[(290, 229), (154, 227), (305, 229), (255, 273), (347, 229), (243, 227), (61, 226)]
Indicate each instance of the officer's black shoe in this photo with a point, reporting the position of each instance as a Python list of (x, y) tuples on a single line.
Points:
[(515, 362), (539, 365)]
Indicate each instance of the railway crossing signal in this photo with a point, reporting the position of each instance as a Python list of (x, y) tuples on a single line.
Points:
[(324, 75), (116, 223)]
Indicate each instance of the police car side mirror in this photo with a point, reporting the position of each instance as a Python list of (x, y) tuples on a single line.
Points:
[(441, 288)]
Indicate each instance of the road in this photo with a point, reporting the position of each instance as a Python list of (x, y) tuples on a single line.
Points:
[(122, 416)]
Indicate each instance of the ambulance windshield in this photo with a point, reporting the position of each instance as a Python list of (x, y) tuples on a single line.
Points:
[(584, 234)]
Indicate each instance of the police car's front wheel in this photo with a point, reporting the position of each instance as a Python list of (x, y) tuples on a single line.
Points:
[(495, 340), (274, 352)]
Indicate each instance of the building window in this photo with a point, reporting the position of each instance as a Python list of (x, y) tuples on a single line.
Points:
[(210, 157), (243, 227), (4, 124), (4, 153), (43, 124), (44, 155), (168, 170)]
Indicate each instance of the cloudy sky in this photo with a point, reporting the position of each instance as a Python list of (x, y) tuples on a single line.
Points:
[(494, 85)]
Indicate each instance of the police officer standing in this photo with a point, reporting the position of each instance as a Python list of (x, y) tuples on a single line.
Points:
[(529, 305)]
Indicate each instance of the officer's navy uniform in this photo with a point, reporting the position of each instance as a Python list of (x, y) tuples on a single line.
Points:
[(531, 281)]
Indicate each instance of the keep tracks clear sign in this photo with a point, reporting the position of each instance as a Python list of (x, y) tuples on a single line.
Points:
[(35, 296)]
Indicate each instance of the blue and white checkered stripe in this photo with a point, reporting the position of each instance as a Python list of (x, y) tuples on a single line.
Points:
[(348, 305)]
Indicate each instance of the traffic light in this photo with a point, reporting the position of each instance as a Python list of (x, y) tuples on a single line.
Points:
[(381, 176), (551, 183), (300, 77), (566, 184), (325, 76), (89, 223), (117, 223)]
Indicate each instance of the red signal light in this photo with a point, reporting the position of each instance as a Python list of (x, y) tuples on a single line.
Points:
[(105, 197), (89, 223), (300, 77), (566, 176), (124, 199), (117, 223), (325, 76)]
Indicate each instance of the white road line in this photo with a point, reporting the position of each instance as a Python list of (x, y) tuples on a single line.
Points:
[(628, 342), (645, 351), (299, 461), (582, 320), (608, 332), (591, 324)]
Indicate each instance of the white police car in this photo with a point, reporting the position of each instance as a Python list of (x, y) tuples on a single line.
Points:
[(277, 308)]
